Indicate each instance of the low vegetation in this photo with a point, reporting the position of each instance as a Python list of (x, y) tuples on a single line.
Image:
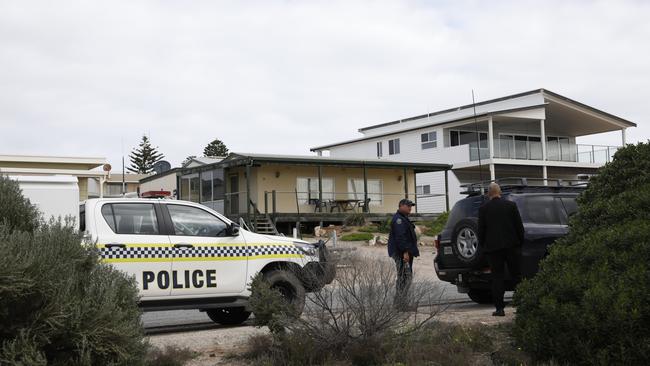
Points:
[(355, 321), (357, 237), (169, 356), (58, 304), (590, 302), (434, 227), (433, 344)]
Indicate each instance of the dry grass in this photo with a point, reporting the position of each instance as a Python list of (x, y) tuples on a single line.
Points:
[(169, 356)]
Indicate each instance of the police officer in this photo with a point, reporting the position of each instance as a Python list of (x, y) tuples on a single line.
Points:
[(402, 247)]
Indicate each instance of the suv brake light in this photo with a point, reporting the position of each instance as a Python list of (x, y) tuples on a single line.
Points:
[(436, 242)]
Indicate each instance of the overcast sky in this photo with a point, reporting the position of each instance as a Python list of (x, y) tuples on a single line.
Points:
[(84, 78)]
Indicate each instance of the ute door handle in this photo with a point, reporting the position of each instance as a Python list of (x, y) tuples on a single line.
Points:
[(115, 245), (183, 245)]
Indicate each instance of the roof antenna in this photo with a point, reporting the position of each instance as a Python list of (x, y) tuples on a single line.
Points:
[(478, 143)]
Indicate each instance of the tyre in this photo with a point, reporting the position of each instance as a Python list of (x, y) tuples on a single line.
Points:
[(480, 296), (288, 284), (465, 243), (228, 316)]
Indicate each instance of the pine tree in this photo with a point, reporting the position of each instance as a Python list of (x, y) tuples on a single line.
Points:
[(215, 148), (144, 157)]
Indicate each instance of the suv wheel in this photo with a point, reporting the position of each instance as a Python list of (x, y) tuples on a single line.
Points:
[(480, 296), (466, 246), (228, 316), (289, 286)]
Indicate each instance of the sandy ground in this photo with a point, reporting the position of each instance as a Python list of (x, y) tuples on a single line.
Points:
[(215, 344)]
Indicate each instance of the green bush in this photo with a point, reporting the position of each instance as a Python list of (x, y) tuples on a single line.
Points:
[(16, 212), (368, 229), (58, 304), (384, 226), (357, 237), (590, 302), (435, 227), (268, 305)]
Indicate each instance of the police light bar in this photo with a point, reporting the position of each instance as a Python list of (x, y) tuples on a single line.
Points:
[(156, 194)]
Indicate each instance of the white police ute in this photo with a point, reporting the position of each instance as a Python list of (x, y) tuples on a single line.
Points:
[(184, 255)]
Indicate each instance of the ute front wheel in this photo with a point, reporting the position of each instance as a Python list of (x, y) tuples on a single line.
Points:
[(228, 316)]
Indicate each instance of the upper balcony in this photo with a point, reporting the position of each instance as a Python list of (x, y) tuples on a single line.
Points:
[(557, 149)]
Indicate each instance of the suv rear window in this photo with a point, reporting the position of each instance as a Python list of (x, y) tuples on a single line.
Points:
[(131, 218)]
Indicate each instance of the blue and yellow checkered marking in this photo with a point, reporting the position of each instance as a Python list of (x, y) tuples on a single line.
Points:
[(199, 252)]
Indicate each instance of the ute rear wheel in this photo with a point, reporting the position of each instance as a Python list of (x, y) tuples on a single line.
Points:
[(480, 296), (228, 316)]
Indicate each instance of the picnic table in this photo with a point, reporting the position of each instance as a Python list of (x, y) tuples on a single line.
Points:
[(344, 205)]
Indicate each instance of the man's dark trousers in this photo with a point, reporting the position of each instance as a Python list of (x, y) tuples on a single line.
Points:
[(497, 261), (404, 278)]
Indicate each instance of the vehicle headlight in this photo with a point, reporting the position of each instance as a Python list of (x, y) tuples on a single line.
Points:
[(308, 249)]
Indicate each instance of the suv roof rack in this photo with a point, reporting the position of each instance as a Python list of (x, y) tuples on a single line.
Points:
[(521, 184)]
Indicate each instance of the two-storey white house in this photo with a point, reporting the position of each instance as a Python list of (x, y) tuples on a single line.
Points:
[(531, 134)]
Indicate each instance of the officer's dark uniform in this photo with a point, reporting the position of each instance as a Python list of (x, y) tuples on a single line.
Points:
[(402, 239)]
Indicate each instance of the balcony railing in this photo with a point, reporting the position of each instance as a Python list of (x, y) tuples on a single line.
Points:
[(555, 151)]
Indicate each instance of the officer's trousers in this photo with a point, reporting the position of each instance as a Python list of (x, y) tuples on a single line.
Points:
[(404, 279)]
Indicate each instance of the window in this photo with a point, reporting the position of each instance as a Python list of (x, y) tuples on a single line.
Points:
[(206, 186), (570, 205), (429, 140), (542, 210), (457, 138), (113, 189), (218, 191), (191, 188), (308, 189), (380, 149), (131, 218), (393, 147), (375, 190), (82, 217), (424, 189), (193, 221)]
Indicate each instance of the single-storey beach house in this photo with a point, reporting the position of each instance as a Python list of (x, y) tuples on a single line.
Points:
[(278, 191)]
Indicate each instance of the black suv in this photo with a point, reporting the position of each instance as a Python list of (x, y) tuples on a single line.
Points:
[(544, 209)]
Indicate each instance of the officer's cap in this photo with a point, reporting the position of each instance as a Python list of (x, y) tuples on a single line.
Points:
[(406, 202)]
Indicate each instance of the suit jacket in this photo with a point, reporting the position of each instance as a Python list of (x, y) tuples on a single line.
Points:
[(499, 225), (402, 236)]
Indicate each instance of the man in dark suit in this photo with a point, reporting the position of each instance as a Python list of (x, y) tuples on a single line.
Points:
[(402, 247), (500, 234)]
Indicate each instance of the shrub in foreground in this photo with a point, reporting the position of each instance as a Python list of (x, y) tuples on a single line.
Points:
[(433, 344), (60, 306), (590, 302), (351, 320), (16, 212)]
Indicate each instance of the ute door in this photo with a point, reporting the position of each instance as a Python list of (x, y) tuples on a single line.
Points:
[(207, 260), (133, 241)]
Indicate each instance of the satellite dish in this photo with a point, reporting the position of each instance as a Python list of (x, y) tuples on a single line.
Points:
[(107, 167), (161, 166)]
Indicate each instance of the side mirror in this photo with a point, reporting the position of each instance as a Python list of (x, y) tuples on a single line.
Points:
[(233, 229)]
